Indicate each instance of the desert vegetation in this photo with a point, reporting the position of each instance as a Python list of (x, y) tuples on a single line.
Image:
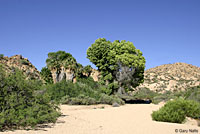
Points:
[(21, 105), (177, 110), (28, 102), (29, 98)]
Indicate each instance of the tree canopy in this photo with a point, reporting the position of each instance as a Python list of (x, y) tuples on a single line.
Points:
[(120, 63), (58, 59)]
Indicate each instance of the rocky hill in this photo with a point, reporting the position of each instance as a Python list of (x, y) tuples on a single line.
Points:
[(23, 64), (171, 77)]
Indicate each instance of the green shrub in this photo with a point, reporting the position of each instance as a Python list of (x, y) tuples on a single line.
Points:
[(106, 90), (193, 94), (1, 56), (72, 90), (82, 100), (46, 75), (106, 99), (175, 111), (24, 62), (88, 81), (20, 106), (144, 93), (166, 96), (83, 92)]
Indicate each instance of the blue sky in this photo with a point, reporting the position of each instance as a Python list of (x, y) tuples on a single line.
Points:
[(166, 31)]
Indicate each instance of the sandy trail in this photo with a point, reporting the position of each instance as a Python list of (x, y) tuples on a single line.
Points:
[(128, 119)]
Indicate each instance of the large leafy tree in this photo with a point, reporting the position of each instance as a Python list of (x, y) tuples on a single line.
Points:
[(120, 63)]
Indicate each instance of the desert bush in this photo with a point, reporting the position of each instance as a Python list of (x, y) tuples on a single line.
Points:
[(89, 81), (106, 99), (24, 62), (72, 90), (144, 93), (1, 56), (82, 100), (193, 94), (166, 96), (46, 75), (20, 106), (83, 92), (175, 111)]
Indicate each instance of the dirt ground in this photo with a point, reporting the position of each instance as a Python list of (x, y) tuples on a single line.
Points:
[(105, 119)]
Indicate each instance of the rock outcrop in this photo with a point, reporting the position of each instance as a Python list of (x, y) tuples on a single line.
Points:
[(171, 77), (23, 64), (95, 75)]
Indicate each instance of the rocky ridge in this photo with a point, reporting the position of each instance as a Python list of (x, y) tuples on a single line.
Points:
[(21, 63), (171, 77)]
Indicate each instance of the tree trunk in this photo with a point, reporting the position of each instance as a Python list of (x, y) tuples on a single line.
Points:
[(121, 91)]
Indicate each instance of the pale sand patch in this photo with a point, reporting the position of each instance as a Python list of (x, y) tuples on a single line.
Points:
[(104, 119)]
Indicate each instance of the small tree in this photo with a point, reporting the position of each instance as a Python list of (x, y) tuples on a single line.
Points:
[(120, 63), (46, 75), (1, 56)]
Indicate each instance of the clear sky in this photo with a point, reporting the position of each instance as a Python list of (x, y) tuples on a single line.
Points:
[(166, 31)]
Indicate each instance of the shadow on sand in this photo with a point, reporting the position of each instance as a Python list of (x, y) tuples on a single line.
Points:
[(138, 101)]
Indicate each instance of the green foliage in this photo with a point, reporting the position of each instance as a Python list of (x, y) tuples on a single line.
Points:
[(79, 70), (89, 81), (193, 94), (166, 96), (106, 99), (80, 100), (84, 92), (1, 56), (190, 94), (87, 70), (24, 62), (145, 93), (46, 75), (57, 59), (175, 111), (107, 56), (105, 89), (20, 105)]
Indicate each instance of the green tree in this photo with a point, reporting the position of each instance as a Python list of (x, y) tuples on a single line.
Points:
[(79, 70), (120, 63), (87, 70), (46, 75), (57, 60), (1, 56)]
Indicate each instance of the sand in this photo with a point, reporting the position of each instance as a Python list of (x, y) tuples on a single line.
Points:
[(104, 119)]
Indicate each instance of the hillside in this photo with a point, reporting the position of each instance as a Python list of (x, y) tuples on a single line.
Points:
[(23, 64), (167, 77), (171, 77)]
